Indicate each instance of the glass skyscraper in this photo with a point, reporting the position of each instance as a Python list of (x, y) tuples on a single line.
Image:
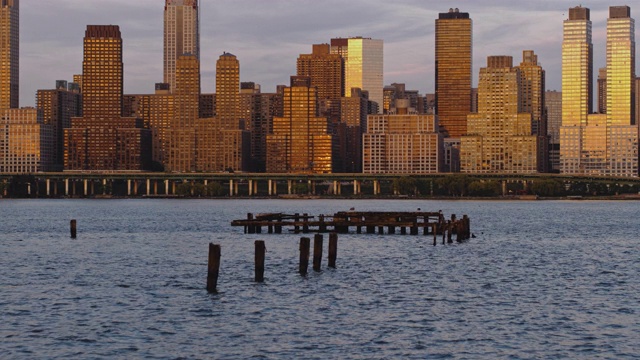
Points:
[(363, 65)]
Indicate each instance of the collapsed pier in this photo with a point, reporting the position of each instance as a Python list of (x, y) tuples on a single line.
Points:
[(370, 222)]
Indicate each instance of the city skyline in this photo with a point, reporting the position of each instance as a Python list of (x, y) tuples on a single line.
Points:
[(268, 49)]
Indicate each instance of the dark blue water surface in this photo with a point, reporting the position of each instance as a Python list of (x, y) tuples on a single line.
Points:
[(542, 279)]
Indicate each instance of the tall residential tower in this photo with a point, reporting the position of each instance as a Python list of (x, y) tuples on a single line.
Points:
[(454, 45), (9, 53), (102, 139), (363, 65), (181, 35)]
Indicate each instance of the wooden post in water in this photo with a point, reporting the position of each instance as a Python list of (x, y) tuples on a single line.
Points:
[(73, 227), (333, 249), (213, 268), (296, 228), (449, 232), (305, 223), (261, 249), (317, 252), (305, 244), (435, 234), (251, 228)]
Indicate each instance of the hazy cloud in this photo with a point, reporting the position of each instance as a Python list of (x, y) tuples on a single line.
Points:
[(268, 35)]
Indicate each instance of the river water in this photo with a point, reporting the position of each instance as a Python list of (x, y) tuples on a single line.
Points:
[(542, 279)]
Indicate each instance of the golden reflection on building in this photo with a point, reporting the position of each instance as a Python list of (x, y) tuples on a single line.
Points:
[(454, 43), (299, 142), (26, 143), (500, 137)]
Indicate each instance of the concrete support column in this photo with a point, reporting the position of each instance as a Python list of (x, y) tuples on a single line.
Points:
[(166, 187), (356, 187), (376, 187), (55, 188), (173, 187), (504, 187), (85, 183), (312, 187), (104, 186), (289, 186), (206, 182), (230, 187), (155, 187), (148, 187), (135, 187), (255, 187), (66, 187), (93, 188), (48, 187), (235, 189), (250, 187), (128, 187), (270, 183)]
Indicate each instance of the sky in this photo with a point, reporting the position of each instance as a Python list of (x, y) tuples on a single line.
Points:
[(267, 36)]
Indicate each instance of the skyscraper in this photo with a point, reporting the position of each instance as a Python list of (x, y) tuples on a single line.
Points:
[(622, 132), (621, 66), (500, 138), (181, 35), (181, 154), (532, 92), (324, 69), (599, 144), (577, 67), (363, 65), (577, 87), (299, 142), (232, 144), (9, 53), (102, 139), (454, 44)]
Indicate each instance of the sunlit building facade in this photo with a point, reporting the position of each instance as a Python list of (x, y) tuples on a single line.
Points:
[(500, 136), (363, 66), (26, 143), (300, 141), (181, 35), (102, 139), (577, 87), (454, 67), (9, 53), (607, 143), (402, 143), (532, 92), (232, 145), (181, 149)]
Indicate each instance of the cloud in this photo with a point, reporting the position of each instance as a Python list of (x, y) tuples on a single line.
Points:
[(268, 35)]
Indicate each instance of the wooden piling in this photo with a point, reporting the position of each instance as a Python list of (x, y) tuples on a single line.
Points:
[(305, 223), (305, 244), (73, 227), (317, 252), (261, 249), (251, 229), (449, 232), (296, 227), (333, 249), (435, 234), (213, 268)]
